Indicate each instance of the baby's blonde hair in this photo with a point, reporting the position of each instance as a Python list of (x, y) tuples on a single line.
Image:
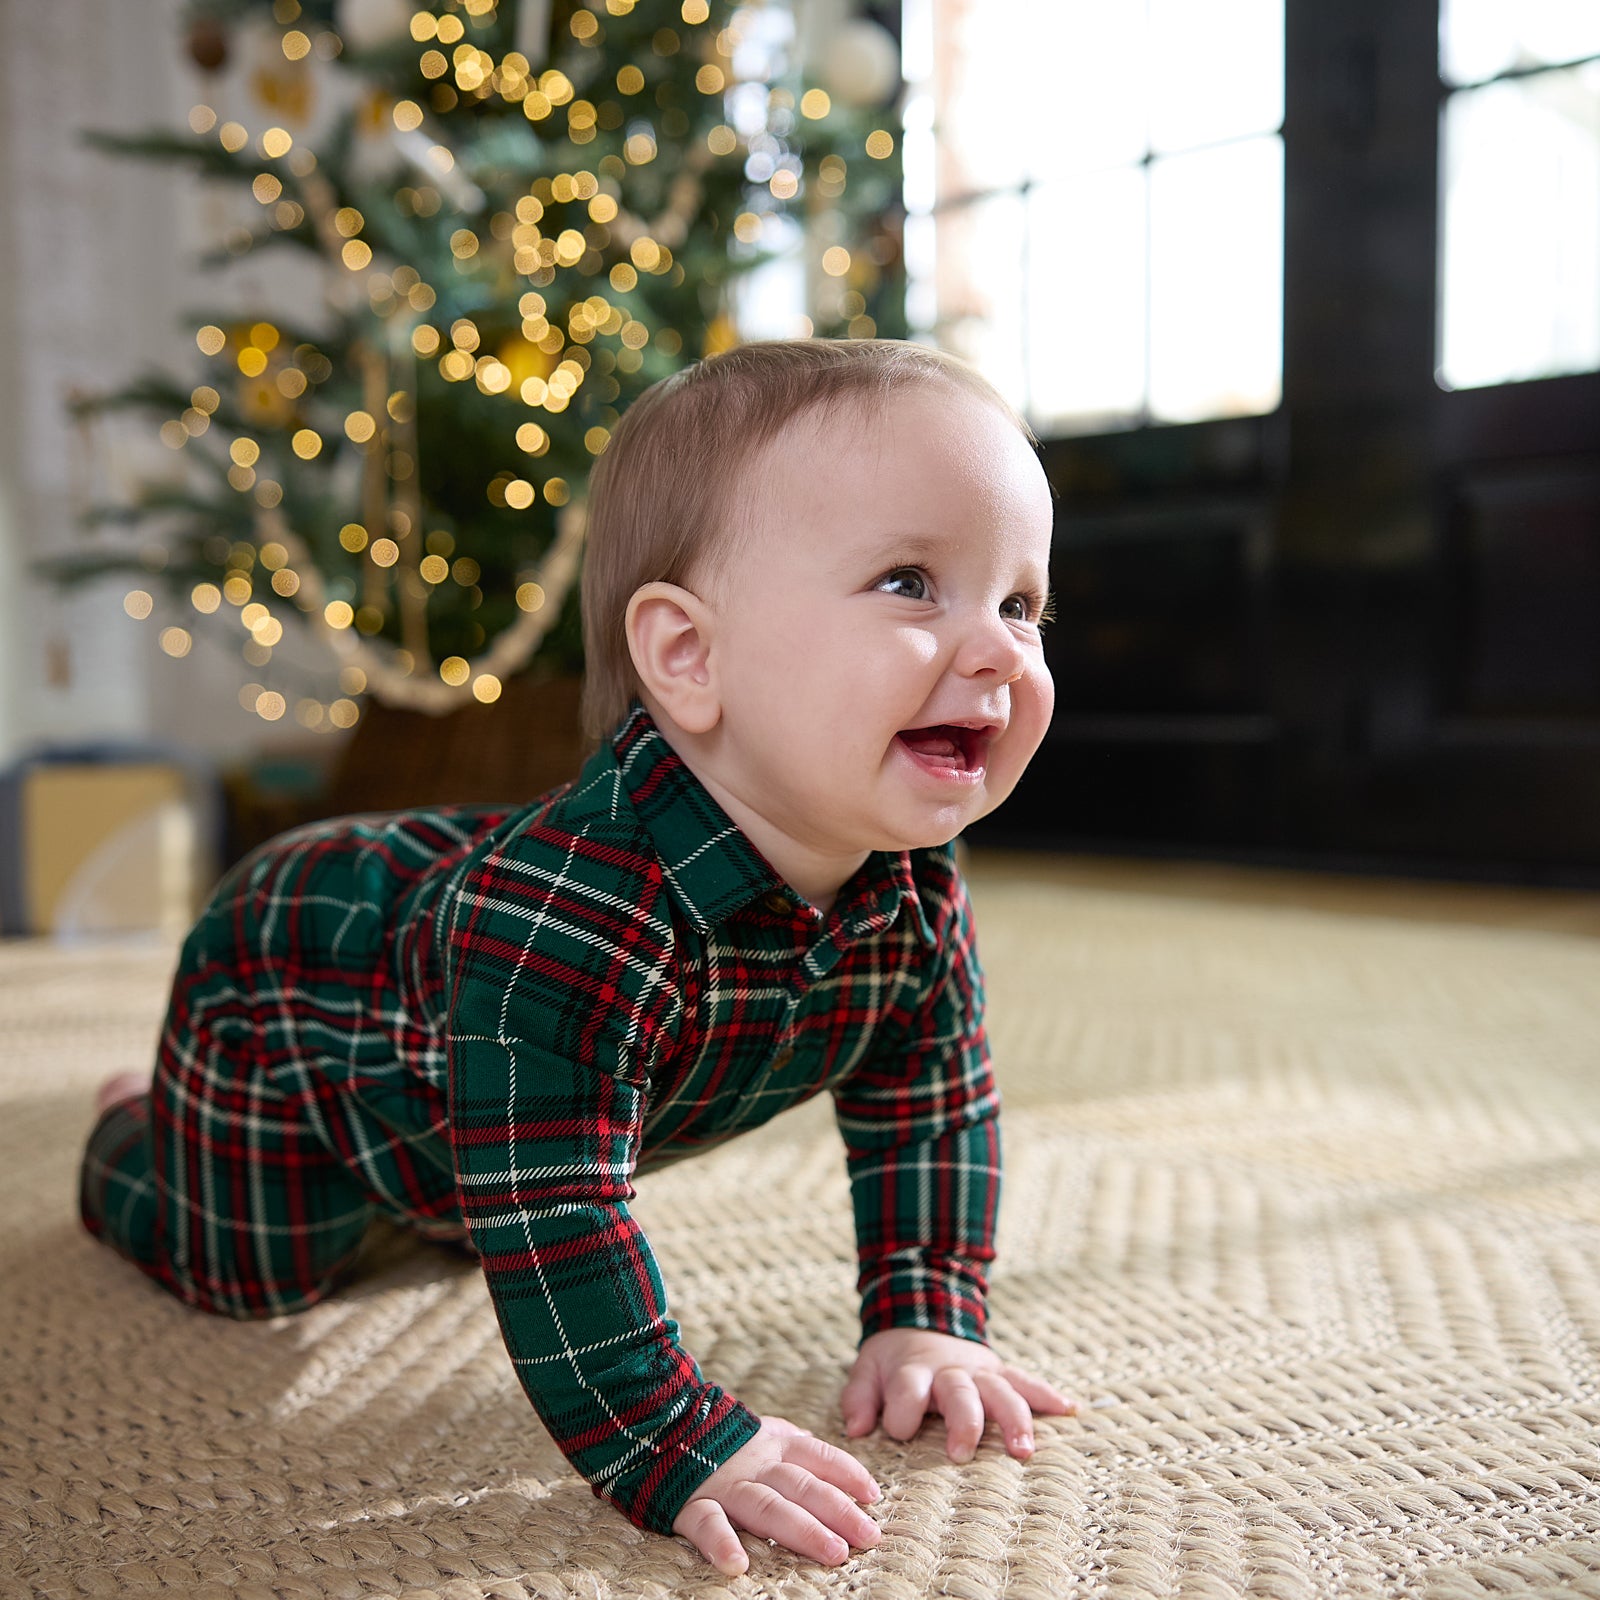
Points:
[(665, 499)]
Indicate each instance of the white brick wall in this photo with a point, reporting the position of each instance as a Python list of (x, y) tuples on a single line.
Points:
[(96, 271)]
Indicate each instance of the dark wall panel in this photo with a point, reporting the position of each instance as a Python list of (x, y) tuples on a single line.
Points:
[(1364, 630)]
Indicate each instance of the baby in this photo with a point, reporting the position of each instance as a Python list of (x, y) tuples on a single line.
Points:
[(815, 579)]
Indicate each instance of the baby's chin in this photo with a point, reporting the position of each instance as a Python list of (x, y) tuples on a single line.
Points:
[(929, 837)]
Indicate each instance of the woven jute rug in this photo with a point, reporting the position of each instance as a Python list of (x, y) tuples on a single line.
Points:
[(1308, 1203)]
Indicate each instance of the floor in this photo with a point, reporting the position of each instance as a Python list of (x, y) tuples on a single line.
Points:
[(1571, 911), (1302, 1199)]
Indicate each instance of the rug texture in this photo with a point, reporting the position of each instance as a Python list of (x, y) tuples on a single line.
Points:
[(1309, 1203)]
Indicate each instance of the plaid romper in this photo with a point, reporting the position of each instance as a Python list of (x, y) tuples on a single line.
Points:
[(483, 1021)]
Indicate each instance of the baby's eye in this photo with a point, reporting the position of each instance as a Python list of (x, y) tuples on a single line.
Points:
[(908, 575), (1032, 607)]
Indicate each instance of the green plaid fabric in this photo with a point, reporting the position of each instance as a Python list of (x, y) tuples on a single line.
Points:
[(497, 1019)]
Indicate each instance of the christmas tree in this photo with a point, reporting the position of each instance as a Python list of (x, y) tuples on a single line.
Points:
[(522, 213)]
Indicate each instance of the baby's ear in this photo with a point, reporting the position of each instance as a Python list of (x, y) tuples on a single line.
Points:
[(669, 638)]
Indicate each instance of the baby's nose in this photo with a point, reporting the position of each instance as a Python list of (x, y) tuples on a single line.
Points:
[(991, 647)]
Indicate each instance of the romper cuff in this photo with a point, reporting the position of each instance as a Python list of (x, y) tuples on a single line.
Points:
[(652, 1488), (911, 1292)]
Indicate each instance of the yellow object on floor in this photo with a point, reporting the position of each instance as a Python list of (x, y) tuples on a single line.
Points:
[(106, 848), (1305, 1202)]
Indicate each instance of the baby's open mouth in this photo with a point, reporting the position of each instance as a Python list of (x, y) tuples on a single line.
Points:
[(946, 745)]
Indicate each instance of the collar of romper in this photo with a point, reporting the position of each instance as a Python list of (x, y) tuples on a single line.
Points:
[(710, 863)]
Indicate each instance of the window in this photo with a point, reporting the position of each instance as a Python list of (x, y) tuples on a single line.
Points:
[(1095, 199), (1519, 260)]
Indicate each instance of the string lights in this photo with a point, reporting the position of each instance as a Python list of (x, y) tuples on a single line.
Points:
[(518, 228)]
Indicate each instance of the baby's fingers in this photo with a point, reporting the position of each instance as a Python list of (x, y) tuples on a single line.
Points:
[(905, 1400), (961, 1405), (835, 1466), (705, 1525), (769, 1514), (832, 1507), (1046, 1401), (1009, 1412), (861, 1399)]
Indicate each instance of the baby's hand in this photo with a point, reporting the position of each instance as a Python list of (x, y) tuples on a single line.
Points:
[(906, 1372), (786, 1486)]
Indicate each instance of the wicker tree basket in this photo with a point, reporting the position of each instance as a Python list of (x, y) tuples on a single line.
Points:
[(527, 742)]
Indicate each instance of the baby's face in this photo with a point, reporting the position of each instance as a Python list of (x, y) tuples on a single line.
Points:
[(894, 585)]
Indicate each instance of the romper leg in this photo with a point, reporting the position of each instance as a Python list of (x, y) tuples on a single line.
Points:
[(214, 1186), (254, 1216), (227, 1185), (116, 1184), (246, 1216)]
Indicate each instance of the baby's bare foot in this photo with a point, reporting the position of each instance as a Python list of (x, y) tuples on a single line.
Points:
[(118, 1087)]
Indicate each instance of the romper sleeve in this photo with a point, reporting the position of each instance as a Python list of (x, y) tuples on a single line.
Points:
[(920, 1121), (557, 995)]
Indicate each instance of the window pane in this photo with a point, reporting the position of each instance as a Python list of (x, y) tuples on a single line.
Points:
[(979, 250), (1481, 38), (1086, 104), (1030, 183), (978, 53), (1216, 282), (1216, 70), (1086, 301), (1520, 260), (1029, 88)]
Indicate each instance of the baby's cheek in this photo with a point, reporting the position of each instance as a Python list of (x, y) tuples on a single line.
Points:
[(1033, 699)]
